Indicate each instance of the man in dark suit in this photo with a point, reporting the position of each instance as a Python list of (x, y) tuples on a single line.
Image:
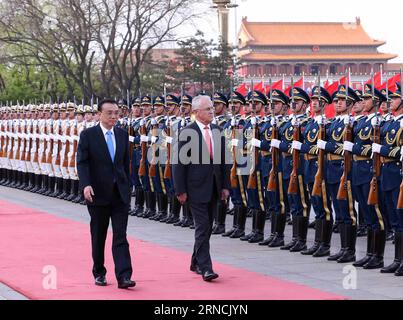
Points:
[(103, 170), (201, 177)]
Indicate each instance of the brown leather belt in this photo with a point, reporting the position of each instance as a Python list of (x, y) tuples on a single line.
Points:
[(360, 158), (389, 160), (310, 157), (334, 157)]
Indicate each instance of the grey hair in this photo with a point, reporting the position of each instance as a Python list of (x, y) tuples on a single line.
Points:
[(197, 102)]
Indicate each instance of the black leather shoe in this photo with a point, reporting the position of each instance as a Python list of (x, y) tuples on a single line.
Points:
[(209, 275), (100, 281), (126, 283), (196, 269)]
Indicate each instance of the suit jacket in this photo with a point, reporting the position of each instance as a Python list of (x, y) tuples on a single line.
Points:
[(196, 174), (96, 168)]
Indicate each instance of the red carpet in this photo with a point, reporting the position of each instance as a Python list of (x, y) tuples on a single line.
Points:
[(31, 240)]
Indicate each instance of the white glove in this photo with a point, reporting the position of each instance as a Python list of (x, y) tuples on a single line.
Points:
[(154, 139), (294, 121), (234, 142), (253, 121), (131, 138), (63, 139), (321, 144), (296, 145), (375, 121), (348, 146), (256, 143), (169, 139), (401, 123), (233, 122), (142, 122), (144, 138), (153, 122), (275, 143), (376, 148), (346, 120), (273, 121), (401, 153)]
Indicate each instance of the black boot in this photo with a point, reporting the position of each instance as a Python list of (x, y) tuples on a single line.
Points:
[(240, 230), (219, 227), (252, 233), (399, 271), (73, 194), (350, 235), (302, 231), (184, 219), (237, 209), (278, 240), (36, 187), (318, 237), (294, 239), (152, 203), (336, 256), (267, 241), (162, 201), (68, 189), (51, 186), (175, 211), (378, 251), (370, 245), (324, 247), (9, 178), (190, 218), (259, 227), (63, 189), (45, 185), (398, 259), (18, 180), (14, 179)]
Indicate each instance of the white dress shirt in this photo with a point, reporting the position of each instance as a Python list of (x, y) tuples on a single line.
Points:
[(104, 131)]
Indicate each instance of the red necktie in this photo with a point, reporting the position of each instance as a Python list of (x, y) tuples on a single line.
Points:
[(207, 138)]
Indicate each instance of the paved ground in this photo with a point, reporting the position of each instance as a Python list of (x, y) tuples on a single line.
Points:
[(317, 273)]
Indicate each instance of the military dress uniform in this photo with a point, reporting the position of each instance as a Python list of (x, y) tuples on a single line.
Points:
[(299, 202), (276, 200), (391, 157), (362, 175), (321, 204)]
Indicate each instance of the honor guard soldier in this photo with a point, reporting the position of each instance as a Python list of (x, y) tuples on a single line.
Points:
[(314, 173), (72, 139), (180, 123), (231, 128), (391, 157), (136, 157), (293, 173), (363, 172), (145, 138), (242, 148), (157, 166), (338, 168), (167, 129), (272, 176)]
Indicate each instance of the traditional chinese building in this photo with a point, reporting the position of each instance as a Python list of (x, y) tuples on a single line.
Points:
[(272, 48)]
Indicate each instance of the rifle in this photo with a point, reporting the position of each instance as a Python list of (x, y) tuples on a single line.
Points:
[(36, 155), (59, 144), (348, 136), (23, 144), (143, 132), (130, 130), (2, 130), (72, 163), (252, 181), (376, 158), (18, 130), (167, 171), (272, 184), (400, 200), (293, 186), (233, 174), (29, 142), (49, 158), (317, 185), (152, 170), (67, 143)]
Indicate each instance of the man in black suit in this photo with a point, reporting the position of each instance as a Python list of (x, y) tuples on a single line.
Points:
[(201, 177), (103, 170)]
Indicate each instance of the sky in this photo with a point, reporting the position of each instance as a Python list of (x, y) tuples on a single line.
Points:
[(382, 20)]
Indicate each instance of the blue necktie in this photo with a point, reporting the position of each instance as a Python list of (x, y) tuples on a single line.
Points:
[(109, 142)]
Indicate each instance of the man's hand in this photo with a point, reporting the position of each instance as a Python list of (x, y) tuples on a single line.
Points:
[(182, 198), (88, 193), (224, 194)]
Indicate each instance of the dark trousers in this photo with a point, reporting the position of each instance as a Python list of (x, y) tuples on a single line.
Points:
[(100, 215), (203, 215)]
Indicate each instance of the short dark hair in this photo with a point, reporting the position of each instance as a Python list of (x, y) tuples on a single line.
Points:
[(105, 101)]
